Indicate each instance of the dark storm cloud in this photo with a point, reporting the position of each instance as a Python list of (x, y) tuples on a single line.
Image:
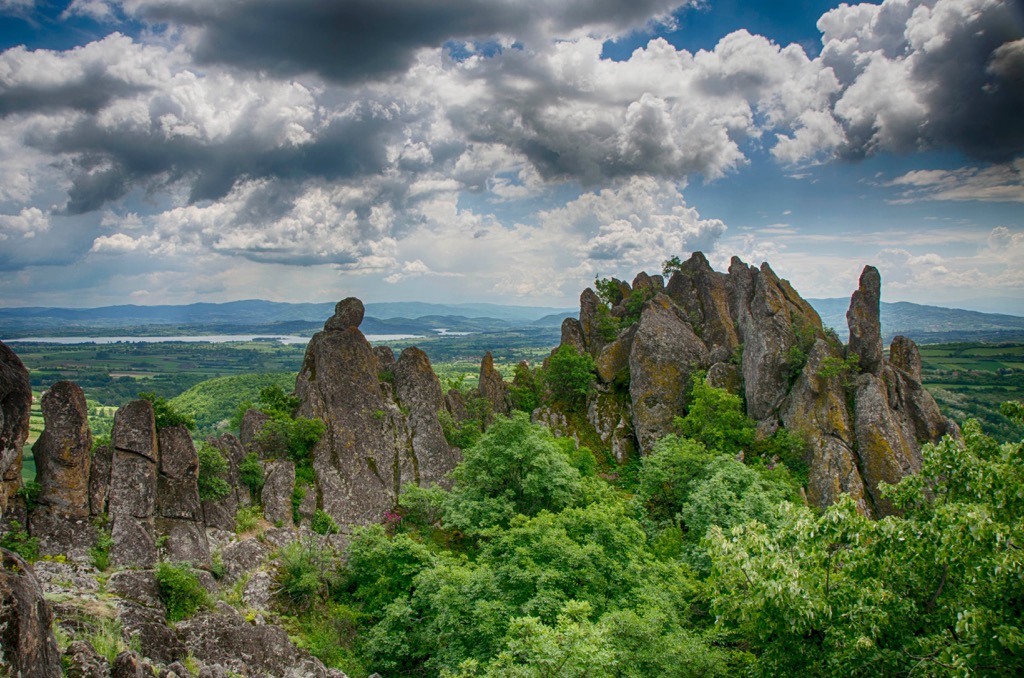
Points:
[(88, 95), (934, 74), (109, 162), (358, 40)]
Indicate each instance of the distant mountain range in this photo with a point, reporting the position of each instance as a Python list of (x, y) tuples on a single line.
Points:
[(924, 324), (258, 316), (927, 324)]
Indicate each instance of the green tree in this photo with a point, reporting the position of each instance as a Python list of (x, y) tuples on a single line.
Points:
[(937, 590), (515, 468), (570, 377), (671, 265), (716, 418), (212, 467)]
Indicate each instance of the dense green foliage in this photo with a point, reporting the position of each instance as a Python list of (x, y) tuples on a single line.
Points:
[(515, 468), (529, 566), (213, 402), (179, 590), (250, 473), (16, 538), (938, 590), (285, 435)]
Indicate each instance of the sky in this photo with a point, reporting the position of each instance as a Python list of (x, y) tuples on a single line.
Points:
[(506, 151)]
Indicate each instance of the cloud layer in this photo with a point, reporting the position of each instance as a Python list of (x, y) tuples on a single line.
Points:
[(355, 135)]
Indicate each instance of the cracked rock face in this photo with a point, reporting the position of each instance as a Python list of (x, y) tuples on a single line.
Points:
[(133, 485)]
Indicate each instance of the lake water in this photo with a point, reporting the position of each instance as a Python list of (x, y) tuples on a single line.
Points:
[(203, 338)]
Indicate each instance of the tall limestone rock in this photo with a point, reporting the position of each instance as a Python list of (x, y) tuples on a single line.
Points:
[(664, 355), (864, 321), (133, 485), (179, 513), (369, 449), (15, 410), (61, 517), (419, 392), (493, 388), (703, 296)]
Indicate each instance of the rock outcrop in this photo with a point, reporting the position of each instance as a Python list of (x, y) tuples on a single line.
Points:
[(863, 423), (419, 392), (493, 388), (15, 410), (369, 449), (27, 645), (864, 321), (221, 513), (179, 514), (60, 519), (133, 484), (664, 356)]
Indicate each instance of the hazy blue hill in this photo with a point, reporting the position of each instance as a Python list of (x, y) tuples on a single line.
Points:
[(927, 324), (416, 309), (924, 324)]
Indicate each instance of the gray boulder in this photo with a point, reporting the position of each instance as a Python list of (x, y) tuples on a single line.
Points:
[(63, 450), (348, 313), (279, 483)]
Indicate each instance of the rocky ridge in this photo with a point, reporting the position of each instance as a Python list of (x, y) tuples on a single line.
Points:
[(863, 418)]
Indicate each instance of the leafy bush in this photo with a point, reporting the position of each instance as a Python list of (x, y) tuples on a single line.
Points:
[(30, 492), (291, 438), (461, 435), (250, 472), (247, 518), (100, 552), (716, 418), (570, 376), (525, 389), (304, 574), (166, 414), (179, 590), (323, 523), (17, 539), (212, 467)]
